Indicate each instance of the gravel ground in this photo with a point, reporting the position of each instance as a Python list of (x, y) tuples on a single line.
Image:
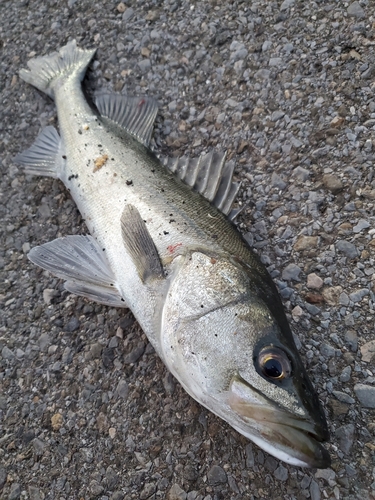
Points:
[(87, 409)]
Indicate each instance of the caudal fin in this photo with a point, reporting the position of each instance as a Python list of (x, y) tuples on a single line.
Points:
[(45, 71)]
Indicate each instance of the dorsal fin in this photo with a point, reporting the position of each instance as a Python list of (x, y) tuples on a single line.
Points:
[(209, 175), (134, 114)]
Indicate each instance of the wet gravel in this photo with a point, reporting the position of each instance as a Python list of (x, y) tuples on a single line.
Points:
[(87, 410)]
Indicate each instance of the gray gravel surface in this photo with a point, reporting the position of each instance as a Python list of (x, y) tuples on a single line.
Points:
[(87, 409)]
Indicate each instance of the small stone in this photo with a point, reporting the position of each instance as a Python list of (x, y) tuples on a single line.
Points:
[(38, 446), (291, 272), (331, 295), (347, 248), (314, 490), (135, 354), (281, 473), (102, 423), (35, 493), (286, 4), (148, 490), (345, 374), (301, 173), (128, 14), (276, 181), (327, 351), (145, 52), (121, 7), (49, 294), (277, 115), (314, 298), (355, 10), (144, 65), (216, 475), (351, 338), (345, 437), (314, 281), (305, 243), (365, 394), (332, 183), (7, 353), (176, 493), (72, 325), (328, 475), (297, 313), (122, 389), (57, 421), (96, 488), (368, 351), (15, 492), (359, 294), (337, 121), (3, 476), (343, 397), (362, 224)]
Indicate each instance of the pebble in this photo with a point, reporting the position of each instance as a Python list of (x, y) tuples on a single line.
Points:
[(345, 437), (351, 338), (332, 295), (314, 281), (362, 224), (291, 272), (314, 490), (365, 394), (3, 476), (347, 248), (176, 493), (345, 374), (35, 493), (15, 492), (281, 473), (355, 10), (343, 397), (122, 389), (72, 325), (368, 351), (332, 183), (216, 475), (305, 243)]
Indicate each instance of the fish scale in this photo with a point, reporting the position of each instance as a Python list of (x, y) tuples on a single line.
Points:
[(162, 244)]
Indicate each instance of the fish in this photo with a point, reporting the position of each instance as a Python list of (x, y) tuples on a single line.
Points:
[(161, 243)]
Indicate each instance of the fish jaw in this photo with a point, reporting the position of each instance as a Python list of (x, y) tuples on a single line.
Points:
[(295, 439)]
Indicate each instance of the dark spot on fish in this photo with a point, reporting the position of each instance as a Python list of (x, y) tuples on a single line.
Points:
[(112, 159), (213, 261), (100, 146), (162, 190), (214, 236), (171, 220), (153, 170), (80, 132), (165, 232), (129, 183), (202, 306), (122, 300), (64, 157)]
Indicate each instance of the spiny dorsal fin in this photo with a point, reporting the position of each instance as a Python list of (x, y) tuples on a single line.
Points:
[(209, 175), (134, 114)]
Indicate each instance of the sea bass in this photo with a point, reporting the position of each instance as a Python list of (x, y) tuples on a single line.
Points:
[(162, 245)]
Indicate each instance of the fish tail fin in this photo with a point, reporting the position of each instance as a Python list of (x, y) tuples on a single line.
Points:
[(44, 72)]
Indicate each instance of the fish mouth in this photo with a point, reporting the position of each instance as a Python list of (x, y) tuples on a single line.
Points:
[(292, 438)]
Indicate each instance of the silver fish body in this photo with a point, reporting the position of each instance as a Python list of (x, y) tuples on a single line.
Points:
[(161, 244)]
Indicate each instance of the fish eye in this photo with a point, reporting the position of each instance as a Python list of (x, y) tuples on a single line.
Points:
[(273, 363)]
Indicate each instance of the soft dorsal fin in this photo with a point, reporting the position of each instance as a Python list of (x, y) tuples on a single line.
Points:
[(134, 114), (209, 175)]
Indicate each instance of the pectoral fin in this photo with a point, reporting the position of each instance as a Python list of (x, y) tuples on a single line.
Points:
[(139, 245), (82, 263)]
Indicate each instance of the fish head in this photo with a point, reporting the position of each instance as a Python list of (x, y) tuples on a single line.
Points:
[(226, 338)]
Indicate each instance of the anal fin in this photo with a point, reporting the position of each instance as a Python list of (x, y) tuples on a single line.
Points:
[(44, 157), (82, 263)]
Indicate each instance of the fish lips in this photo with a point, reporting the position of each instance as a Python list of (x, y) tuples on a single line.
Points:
[(289, 437)]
